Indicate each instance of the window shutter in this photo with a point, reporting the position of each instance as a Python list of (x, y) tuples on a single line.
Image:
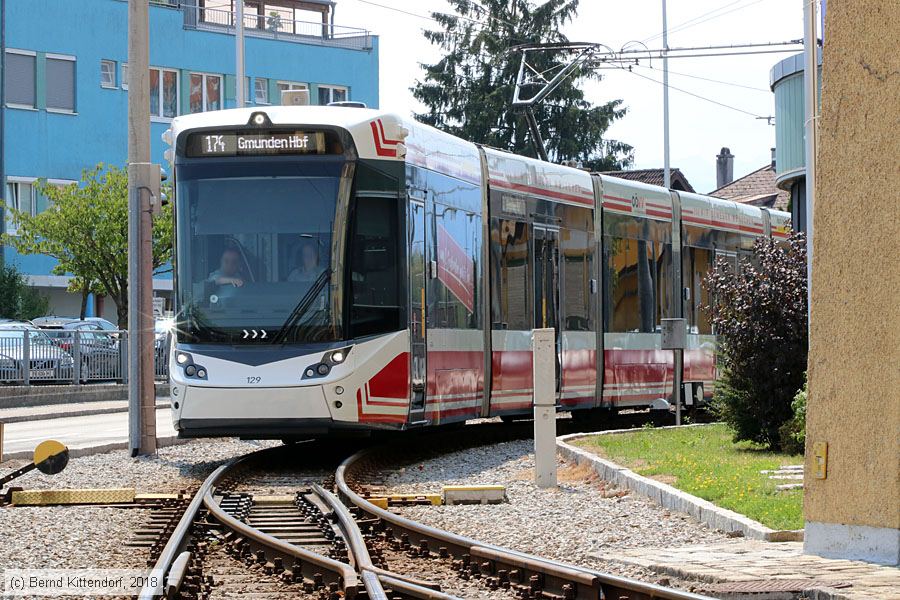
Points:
[(20, 80), (61, 84)]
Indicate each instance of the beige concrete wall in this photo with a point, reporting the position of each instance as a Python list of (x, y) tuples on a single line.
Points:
[(854, 363)]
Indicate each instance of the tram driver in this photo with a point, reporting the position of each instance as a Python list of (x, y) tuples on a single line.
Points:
[(230, 273)]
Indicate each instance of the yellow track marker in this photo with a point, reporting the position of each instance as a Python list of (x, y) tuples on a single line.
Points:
[(405, 499), (73, 496)]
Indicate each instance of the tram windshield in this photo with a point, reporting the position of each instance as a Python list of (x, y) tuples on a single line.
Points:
[(254, 245)]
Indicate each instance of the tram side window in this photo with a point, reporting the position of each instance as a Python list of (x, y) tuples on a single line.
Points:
[(696, 265), (511, 282), (374, 259), (454, 297), (638, 281), (631, 294), (577, 274)]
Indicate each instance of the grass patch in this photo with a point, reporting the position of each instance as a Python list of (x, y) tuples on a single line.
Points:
[(705, 462)]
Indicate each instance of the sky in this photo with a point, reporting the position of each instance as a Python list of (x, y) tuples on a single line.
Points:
[(698, 128)]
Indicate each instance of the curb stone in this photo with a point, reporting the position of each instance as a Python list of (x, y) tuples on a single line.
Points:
[(101, 449), (670, 497)]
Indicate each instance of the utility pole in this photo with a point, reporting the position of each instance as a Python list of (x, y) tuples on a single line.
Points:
[(667, 175), (239, 51), (811, 92), (141, 392)]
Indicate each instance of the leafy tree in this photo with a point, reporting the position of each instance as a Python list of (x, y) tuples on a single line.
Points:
[(86, 230), (468, 92), (760, 319), (18, 300)]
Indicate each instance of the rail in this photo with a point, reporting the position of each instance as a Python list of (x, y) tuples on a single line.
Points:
[(565, 581), (278, 27), (170, 567), (31, 356)]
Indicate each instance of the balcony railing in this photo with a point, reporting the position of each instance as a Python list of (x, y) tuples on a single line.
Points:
[(276, 26)]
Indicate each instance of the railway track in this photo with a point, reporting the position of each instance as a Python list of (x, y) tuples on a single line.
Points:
[(264, 531)]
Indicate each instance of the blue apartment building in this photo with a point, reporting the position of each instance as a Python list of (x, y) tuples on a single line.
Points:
[(65, 92)]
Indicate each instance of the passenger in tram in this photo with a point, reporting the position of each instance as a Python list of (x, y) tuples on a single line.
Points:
[(308, 269)]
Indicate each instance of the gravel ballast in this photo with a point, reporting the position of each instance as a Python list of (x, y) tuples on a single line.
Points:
[(582, 518), (74, 537)]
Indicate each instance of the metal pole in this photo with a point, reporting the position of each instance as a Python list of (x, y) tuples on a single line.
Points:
[(141, 396), (239, 51), (543, 347), (811, 88), (678, 385), (26, 358), (667, 175)]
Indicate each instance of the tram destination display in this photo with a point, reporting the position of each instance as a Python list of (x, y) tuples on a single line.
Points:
[(254, 143)]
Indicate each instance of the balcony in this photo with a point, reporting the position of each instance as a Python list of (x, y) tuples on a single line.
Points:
[(274, 25)]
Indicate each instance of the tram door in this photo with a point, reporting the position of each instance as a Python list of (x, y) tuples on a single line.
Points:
[(547, 284), (417, 280)]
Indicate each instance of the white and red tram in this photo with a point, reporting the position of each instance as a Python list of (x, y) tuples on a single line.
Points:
[(345, 268)]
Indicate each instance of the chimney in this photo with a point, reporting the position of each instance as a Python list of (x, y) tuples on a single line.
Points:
[(724, 168), (773, 159)]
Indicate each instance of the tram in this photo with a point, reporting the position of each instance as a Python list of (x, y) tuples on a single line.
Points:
[(345, 268)]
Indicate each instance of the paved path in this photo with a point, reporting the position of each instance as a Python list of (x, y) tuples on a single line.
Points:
[(752, 560), (78, 432), (68, 409)]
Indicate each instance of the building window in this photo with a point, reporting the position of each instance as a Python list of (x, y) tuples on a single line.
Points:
[(328, 94), (61, 83), (108, 73), (261, 90), (289, 86), (20, 78), (206, 92), (24, 196), (163, 93), (19, 196), (124, 76)]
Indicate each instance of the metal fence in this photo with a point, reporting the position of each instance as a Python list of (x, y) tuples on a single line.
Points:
[(276, 26), (64, 356)]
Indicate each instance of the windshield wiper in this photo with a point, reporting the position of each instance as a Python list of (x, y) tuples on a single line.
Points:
[(303, 306)]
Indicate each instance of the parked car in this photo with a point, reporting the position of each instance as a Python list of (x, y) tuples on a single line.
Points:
[(46, 360), (162, 329), (97, 349), (104, 325)]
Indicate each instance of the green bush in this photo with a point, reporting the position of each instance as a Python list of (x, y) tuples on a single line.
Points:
[(793, 432), (18, 300), (759, 314)]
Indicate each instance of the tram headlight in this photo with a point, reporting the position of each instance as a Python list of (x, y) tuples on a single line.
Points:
[(182, 358), (336, 357), (322, 369), (190, 370)]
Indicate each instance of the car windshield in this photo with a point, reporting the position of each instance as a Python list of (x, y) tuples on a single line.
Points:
[(252, 240)]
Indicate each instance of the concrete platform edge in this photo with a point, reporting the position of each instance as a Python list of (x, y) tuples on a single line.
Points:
[(101, 449), (668, 496)]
